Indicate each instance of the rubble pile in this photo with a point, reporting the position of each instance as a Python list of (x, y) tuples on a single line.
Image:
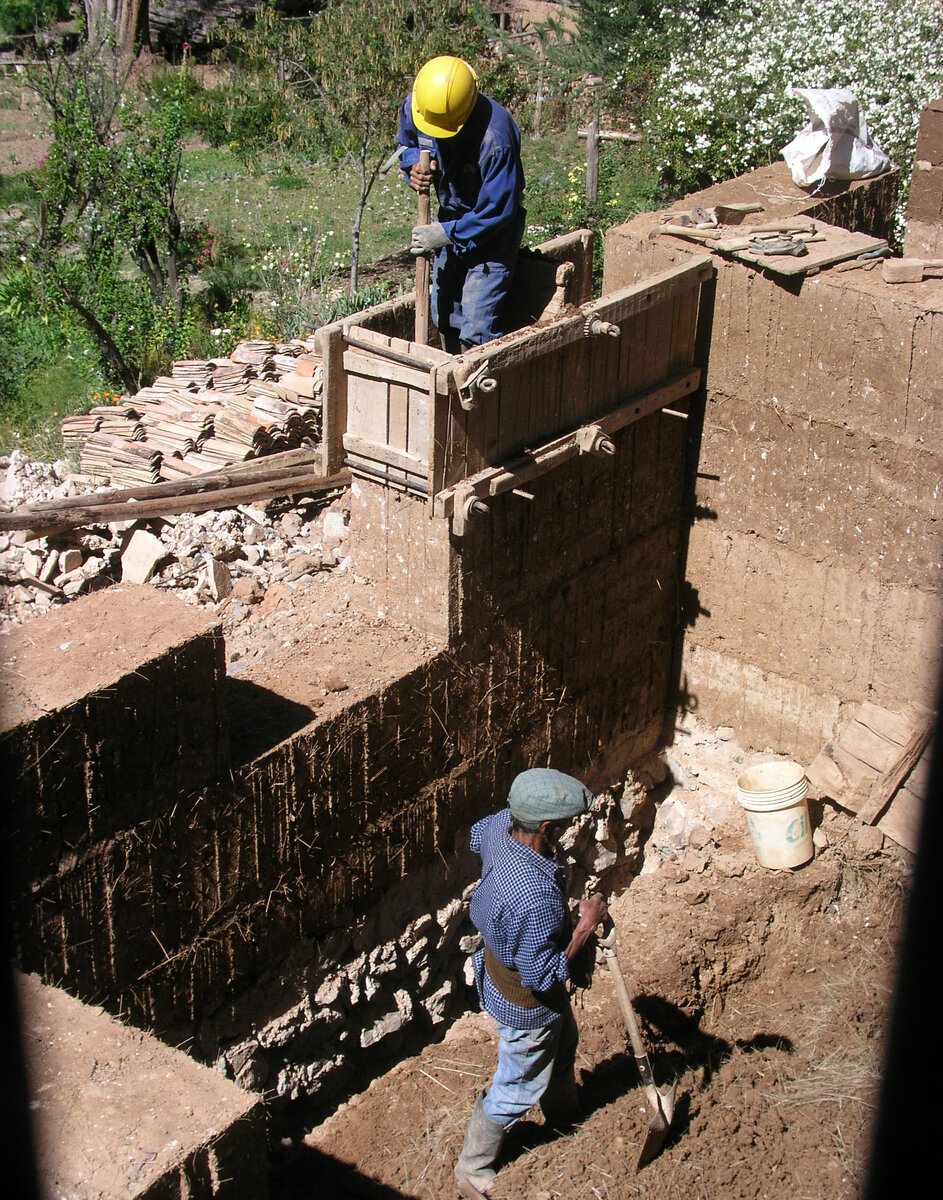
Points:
[(235, 559), (207, 414)]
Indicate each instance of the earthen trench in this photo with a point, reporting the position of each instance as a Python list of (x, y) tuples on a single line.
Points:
[(290, 916)]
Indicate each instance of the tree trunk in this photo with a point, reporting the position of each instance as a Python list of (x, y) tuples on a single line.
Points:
[(126, 18), (129, 381)]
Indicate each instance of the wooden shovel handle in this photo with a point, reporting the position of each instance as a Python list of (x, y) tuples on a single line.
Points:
[(422, 263), (607, 944)]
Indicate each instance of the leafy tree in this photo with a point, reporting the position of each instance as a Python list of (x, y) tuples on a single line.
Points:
[(333, 85), (26, 16), (106, 194)]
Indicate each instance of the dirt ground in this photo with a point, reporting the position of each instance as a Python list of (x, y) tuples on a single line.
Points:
[(762, 993)]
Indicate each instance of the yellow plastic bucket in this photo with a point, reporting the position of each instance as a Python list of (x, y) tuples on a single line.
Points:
[(773, 795)]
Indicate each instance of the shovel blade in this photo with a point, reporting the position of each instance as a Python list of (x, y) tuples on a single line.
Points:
[(658, 1128)]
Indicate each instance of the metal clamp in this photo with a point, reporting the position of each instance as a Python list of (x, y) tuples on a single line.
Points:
[(478, 382), (591, 439), (597, 327), (468, 504)]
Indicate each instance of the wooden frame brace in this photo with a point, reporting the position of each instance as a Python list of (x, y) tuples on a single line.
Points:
[(466, 499)]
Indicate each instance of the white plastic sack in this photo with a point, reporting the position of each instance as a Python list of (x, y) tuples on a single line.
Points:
[(836, 145)]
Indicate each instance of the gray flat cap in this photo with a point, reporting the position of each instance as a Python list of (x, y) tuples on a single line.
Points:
[(543, 794)]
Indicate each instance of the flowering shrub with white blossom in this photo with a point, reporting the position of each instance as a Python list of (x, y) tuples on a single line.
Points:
[(724, 103)]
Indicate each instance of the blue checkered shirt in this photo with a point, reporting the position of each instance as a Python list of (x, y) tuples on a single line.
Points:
[(519, 908)]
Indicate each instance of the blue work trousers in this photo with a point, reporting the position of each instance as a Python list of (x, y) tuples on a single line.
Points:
[(527, 1058), (469, 289)]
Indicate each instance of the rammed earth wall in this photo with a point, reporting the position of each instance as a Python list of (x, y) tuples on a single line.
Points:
[(814, 559)]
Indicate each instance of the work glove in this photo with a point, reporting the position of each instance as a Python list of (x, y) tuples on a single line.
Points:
[(428, 238)]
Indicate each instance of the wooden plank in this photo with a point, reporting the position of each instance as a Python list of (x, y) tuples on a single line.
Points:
[(397, 433), (388, 475), (869, 747), (864, 769), (439, 401), (329, 342), (381, 453), (858, 778), (617, 307), (515, 472), (357, 362), (574, 361), (417, 423), (456, 463), (244, 472), (657, 290), (367, 405), (894, 727), (884, 789), (220, 498), (903, 819), (839, 246), (397, 416), (824, 776)]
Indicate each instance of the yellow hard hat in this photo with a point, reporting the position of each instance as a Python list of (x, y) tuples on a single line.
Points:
[(444, 95)]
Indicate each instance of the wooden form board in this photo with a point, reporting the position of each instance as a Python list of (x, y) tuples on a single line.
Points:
[(837, 245), (390, 401), (840, 245), (553, 379), (414, 420)]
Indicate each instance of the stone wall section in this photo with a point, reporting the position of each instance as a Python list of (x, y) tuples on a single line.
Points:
[(813, 560)]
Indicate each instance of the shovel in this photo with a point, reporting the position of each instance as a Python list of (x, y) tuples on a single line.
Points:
[(662, 1103)]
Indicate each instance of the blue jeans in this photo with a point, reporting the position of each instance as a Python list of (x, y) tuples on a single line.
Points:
[(526, 1060), (469, 290)]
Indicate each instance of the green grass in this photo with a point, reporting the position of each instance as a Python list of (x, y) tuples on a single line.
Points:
[(31, 422)]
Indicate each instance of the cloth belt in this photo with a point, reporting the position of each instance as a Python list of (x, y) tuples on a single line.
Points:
[(508, 982)]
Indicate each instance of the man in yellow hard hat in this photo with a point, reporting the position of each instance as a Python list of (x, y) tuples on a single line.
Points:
[(475, 148)]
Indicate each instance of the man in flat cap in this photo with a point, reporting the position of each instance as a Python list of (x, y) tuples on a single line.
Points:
[(520, 909)]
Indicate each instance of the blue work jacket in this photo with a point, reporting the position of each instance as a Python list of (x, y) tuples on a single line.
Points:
[(480, 178)]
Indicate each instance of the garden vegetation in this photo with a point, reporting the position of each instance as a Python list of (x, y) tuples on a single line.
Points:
[(177, 211)]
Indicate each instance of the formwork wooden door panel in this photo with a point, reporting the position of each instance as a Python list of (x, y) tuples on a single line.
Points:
[(548, 382), (429, 422), (390, 386)]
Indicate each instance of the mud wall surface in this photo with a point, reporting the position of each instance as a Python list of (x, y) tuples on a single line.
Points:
[(111, 713), (924, 234), (813, 560), (159, 1126), (293, 915)]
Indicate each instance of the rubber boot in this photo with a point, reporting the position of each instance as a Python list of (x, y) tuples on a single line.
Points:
[(450, 341), (474, 1170), (559, 1103)]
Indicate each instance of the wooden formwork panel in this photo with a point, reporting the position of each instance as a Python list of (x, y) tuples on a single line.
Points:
[(601, 368), (390, 401), (553, 277), (420, 419)]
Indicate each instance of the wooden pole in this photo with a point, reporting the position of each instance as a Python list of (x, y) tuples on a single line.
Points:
[(592, 160), (422, 264)]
